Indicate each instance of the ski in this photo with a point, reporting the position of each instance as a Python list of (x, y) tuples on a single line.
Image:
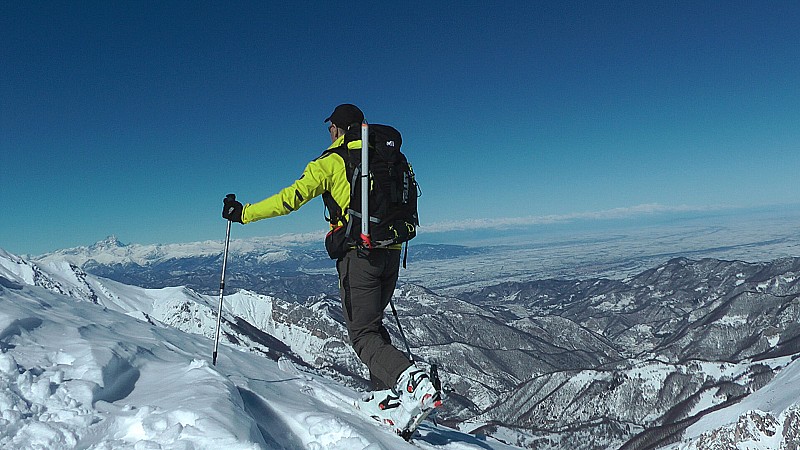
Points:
[(409, 431)]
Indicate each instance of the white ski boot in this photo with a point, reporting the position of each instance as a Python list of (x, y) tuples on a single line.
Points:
[(419, 392), (379, 405)]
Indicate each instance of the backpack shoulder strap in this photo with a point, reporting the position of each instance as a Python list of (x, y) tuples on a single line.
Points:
[(334, 213)]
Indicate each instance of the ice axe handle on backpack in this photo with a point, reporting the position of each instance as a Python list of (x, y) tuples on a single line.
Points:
[(365, 184)]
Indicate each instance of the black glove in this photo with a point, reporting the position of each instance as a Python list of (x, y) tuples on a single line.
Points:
[(231, 209)]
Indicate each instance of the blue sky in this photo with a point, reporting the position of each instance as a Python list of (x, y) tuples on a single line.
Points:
[(136, 118)]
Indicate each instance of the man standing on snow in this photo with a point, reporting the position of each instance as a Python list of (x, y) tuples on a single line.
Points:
[(366, 280)]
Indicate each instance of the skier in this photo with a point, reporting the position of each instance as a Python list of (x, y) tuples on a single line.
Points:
[(403, 393)]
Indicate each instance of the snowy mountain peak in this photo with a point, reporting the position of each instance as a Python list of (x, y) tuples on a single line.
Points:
[(108, 243)]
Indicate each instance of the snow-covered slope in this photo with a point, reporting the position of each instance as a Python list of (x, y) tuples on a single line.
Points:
[(256, 322), (75, 374), (767, 419), (546, 364)]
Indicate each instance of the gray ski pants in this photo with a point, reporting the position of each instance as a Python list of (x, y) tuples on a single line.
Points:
[(366, 284)]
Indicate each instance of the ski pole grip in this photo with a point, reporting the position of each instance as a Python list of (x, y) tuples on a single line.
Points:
[(230, 198)]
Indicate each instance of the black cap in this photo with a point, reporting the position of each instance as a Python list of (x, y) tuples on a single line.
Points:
[(345, 115)]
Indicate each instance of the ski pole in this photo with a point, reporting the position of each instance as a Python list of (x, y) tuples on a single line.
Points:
[(221, 291), (400, 327)]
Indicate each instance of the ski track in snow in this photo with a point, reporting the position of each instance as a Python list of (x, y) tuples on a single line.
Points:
[(76, 375)]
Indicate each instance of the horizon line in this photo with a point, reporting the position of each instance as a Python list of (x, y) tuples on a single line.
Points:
[(500, 223)]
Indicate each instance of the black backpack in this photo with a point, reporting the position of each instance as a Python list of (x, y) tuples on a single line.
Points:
[(392, 196)]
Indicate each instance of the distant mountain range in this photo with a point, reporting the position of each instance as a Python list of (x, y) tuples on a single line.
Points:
[(294, 267), (639, 362)]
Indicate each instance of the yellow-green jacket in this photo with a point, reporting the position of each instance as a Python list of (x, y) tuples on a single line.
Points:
[(324, 174)]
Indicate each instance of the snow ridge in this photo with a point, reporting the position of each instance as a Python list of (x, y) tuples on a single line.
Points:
[(699, 340), (76, 374)]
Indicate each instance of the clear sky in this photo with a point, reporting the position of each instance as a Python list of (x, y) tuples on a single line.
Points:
[(136, 118)]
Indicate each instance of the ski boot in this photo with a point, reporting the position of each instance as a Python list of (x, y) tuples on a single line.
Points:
[(379, 405), (419, 392)]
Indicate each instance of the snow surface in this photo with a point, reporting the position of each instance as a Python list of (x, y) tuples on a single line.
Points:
[(74, 374), (761, 421), (775, 398)]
